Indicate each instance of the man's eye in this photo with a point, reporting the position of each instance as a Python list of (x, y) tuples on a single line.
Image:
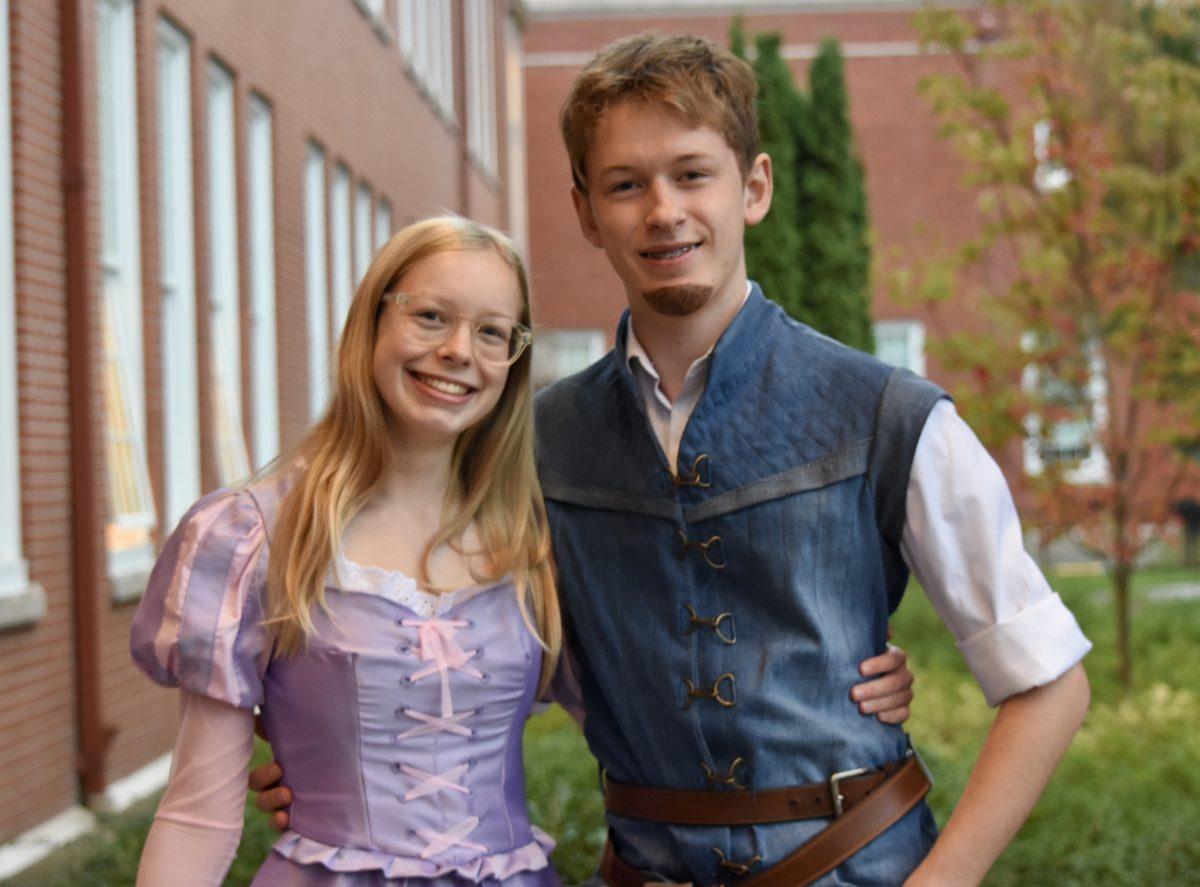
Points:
[(694, 175), (622, 186)]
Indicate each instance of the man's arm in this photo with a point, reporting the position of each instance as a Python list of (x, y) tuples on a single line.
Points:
[(1024, 746)]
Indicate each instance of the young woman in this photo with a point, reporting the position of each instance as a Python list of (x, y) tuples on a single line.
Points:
[(385, 594)]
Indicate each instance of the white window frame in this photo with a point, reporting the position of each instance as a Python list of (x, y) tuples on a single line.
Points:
[(425, 38), (364, 249), (316, 279), (1048, 175), (339, 211), (14, 569), (264, 381), (383, 222), (225, 334), (479, 39), (1092, 467), (180, 385), (563, 352), (913, 334), (128, 543)]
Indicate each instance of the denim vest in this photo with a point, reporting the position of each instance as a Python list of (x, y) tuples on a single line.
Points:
[(720, 615)]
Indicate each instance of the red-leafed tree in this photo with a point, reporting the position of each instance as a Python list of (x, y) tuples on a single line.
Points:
[(1078, 122)]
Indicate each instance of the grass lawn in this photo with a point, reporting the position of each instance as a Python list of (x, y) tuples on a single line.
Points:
[(1124, 808)]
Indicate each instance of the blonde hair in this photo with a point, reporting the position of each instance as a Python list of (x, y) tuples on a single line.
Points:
[(705, 83), (493, 485)]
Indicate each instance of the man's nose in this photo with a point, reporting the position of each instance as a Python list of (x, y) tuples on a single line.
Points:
[(665, 210)]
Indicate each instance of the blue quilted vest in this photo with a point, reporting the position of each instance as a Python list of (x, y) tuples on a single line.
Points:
[(720, 615)]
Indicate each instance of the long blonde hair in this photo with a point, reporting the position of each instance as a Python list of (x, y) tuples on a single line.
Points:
[(493, 484)]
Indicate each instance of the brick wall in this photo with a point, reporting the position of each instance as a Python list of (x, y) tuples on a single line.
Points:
[(332, 75)]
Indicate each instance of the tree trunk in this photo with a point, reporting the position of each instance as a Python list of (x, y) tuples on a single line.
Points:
[(1121, 581)]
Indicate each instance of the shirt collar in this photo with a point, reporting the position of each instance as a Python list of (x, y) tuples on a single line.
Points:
[(634, 349)]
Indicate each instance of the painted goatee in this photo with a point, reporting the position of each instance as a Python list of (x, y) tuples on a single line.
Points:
[(678, 301)]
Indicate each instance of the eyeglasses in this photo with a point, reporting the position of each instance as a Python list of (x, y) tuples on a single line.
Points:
[(431, 321)]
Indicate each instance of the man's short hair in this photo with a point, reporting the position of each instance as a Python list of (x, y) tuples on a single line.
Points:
[(703, 82)]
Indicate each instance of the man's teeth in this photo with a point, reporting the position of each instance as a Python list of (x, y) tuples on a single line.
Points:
[(671, 253), (444, 386)]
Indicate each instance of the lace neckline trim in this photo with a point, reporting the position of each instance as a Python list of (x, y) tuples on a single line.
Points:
[(398, 587)]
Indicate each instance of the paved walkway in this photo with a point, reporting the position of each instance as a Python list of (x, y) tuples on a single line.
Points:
[(1176, 591)]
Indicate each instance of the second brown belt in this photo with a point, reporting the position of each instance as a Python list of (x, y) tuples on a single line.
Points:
[(741, 807)]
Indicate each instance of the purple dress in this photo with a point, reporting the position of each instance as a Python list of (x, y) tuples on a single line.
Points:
[(399, 727)]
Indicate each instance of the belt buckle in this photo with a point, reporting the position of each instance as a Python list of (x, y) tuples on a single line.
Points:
[(835, 791)]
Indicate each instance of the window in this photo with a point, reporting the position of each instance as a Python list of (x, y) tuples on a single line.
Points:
[(481, 83), (383, 223), (233, 462), (339, 208), (1063, 433), (1050, 174), (559, 353), (901, 343), (181, 419), (131, 502), (263, 378), (14, 571), (426, 39), (364, 241), (316, 280)]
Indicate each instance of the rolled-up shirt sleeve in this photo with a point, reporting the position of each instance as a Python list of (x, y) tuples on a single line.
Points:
[(962, 540)]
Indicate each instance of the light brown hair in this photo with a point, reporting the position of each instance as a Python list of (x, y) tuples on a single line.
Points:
[(341, 462), (703, 82)]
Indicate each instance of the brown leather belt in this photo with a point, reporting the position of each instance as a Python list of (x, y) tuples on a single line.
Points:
[(869, 802)]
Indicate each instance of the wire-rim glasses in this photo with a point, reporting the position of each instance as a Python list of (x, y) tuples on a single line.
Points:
[(431, 321)]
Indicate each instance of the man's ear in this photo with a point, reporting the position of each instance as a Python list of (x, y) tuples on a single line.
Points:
[(758, 190), (587, 221)]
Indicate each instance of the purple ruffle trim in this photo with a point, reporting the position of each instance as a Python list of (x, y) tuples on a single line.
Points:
[(532, 857)]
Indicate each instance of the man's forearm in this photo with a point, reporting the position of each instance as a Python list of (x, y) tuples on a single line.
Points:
[(1024, 746)]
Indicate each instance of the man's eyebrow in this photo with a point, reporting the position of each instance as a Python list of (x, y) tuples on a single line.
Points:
[(624, 168)]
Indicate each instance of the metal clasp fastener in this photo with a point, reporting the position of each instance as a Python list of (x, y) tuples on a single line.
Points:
[(715, 777), (714, 623), (713, 549), (835, 788), (737, 868), (699, 476), (713, 692)]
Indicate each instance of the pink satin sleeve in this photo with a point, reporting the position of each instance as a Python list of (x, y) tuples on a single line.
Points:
[(198, 825)]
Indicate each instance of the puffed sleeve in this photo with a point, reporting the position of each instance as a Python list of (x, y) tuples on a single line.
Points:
[(199, 624)]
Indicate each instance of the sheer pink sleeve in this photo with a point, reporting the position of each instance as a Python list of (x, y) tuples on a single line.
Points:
[(199, 820)]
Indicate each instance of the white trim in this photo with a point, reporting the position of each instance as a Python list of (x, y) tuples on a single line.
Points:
[(383, 222), (316, 280), (264, 382), (514, 116), (138, 785), (882, 49), (339, 210), (563, 352), (479, 41), (224, 300), (1093, 467), (363, 236), (910, 336), (551, 10), (180, 383), (14, 570), (31, 847)]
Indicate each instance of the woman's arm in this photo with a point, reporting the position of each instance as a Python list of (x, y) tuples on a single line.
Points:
[(198, 825), (1027, 740)]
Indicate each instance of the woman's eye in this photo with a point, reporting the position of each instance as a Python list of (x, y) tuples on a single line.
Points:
[(429, 317), (622, 186), (494, 332)]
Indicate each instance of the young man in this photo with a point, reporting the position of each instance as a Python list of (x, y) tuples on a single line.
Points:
[(736, 502)]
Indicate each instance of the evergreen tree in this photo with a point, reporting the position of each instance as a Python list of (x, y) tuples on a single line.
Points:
[(773, 246), (832, 213)]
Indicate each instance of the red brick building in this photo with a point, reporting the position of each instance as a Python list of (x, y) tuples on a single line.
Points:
[(188, 193)]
